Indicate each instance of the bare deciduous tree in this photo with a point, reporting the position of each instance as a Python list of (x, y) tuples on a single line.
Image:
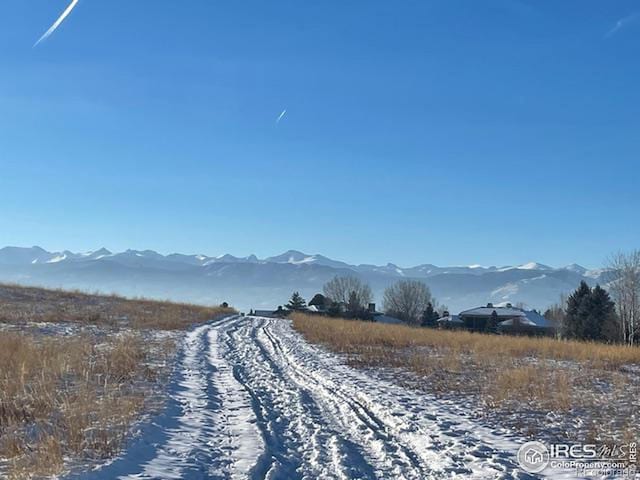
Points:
[(348, 290), (556, 314), (407, 300), (624, 285)]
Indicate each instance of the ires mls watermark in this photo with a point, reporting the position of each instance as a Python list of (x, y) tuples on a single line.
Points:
[(585, 460)]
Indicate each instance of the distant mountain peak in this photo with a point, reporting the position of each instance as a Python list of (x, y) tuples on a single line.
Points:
[(574, 267), (148, 253), (295, 252), (97, 254), (290, 256), (534, 266)]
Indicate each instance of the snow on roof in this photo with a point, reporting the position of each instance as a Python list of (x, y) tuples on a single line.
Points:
[(488, 311), (451, 319), (525, 317), (521, 321)]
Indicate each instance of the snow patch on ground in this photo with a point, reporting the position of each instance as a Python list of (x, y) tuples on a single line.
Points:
[(251, 399)]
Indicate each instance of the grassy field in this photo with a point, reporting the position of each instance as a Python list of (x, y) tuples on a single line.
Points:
[(522, 381), (70, 391), (26, 304)]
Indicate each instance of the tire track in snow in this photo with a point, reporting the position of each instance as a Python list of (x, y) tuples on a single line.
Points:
[(238, 438), (252, 400), (389, 454), (196, 448), (180, 450), (446, 444), (339, 449), (298, 444), (208, 429)]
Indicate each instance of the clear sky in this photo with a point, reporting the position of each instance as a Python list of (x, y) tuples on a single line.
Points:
[(449, 132)]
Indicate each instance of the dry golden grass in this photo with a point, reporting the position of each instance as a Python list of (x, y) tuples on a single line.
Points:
[(76, 397), (63, 396), (530, 384), (506, 375), (345, 335), (29, 304)]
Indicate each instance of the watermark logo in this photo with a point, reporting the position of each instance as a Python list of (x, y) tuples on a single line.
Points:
[(588, 460), (533, 457)]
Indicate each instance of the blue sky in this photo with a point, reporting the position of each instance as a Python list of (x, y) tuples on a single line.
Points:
[(450, 132)]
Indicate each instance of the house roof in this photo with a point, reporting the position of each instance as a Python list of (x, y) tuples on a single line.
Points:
[(538, 319), (521, 321), (525, 317), (451, 319), (509, 312)]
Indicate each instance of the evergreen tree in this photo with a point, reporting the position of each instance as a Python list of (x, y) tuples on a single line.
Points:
[(430, 316), (492, 323), (577, 312), (603, 322), (591, 315), (296, 302)]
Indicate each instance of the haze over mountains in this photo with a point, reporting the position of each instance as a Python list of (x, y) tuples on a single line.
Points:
[(250, 282)]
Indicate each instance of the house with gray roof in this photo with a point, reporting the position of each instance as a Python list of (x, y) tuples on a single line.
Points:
[(510, 319)]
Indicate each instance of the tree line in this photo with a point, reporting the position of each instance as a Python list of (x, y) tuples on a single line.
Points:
[(348, 296), (609, 315)]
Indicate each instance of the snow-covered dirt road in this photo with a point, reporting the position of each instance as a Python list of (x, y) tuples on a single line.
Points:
[(251, 399)]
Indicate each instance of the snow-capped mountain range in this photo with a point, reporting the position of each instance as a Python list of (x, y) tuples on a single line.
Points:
[(252, 282)]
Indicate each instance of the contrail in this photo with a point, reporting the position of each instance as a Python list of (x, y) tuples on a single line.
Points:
[(53, 28), (284, 112), (623, 22)]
